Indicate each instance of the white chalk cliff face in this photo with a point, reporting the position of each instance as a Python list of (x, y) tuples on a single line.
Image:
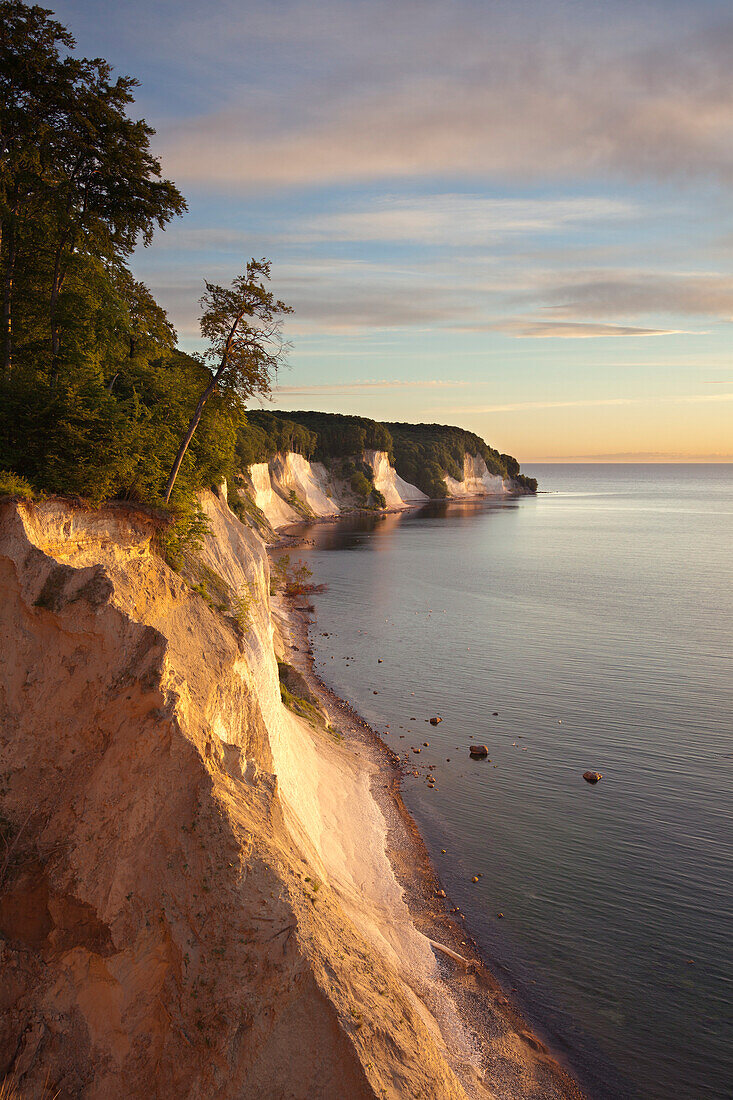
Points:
[(161, 932), (317, 493), (290, 487), (397, 492), (274, 483), (477, 481), (309, 481), (275, 509)]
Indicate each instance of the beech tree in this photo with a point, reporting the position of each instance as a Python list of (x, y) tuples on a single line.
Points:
[(243, 325), (77, 176), (32, 73)]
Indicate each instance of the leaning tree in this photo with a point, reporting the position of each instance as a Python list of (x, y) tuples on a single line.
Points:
[(243, 327)]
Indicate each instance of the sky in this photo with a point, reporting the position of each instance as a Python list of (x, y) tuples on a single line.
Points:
[(512, 216)]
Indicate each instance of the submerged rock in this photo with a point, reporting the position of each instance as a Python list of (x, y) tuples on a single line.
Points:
[(592, 777), (479, 750), (434, 721)]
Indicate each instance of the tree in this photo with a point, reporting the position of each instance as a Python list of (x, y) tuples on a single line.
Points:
[(243, 325), (76, 174), (31, 73), (147, 328), (108, 192)]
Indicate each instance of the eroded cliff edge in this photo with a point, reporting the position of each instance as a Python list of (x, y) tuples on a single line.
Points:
[(196, 899)]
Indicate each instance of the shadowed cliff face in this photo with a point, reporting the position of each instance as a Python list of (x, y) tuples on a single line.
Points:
[(161, 935)]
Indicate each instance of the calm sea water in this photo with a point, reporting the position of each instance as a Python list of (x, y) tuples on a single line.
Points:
[(596, 621)]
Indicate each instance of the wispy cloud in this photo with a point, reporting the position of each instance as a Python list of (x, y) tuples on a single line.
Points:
[(524, 406), (354, 387), (699, 398), (574, 330), (591, 403), (633, 293), (458, 220)]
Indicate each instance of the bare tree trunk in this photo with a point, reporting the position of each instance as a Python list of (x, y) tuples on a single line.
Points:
[(58, 281), (53, 304), (193, 425), (9, 275)]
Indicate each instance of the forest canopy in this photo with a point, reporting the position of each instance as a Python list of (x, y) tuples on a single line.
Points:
[(421, 453)]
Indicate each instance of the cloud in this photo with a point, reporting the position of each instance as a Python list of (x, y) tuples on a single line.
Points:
[(632, 293), (456, 219), (700, 398), (574, 330), (592, 403), (491, 94), (524, 406), (354, 387)]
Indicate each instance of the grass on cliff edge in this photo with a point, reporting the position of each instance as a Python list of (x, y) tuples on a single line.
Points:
[(10, 1090)]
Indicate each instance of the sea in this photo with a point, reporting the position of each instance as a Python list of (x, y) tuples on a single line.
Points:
[(586, 628)]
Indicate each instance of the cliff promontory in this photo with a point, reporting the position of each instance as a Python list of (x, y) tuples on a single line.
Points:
[(195, 895)]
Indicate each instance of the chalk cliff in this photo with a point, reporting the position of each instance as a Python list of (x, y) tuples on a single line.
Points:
[(397, 492), (290, 487), (477, 481), (196, 899)]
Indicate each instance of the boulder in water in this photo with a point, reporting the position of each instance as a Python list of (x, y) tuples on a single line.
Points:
[(479, 750), (434, 721), (592, 777)]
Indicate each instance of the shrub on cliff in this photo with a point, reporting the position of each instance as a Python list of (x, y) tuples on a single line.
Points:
[(360, 485), (11, 485)]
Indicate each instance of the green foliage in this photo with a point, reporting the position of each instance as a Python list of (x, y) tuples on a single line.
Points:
[(301, 706), (424, 453), (297, 579), (181, 539), (78, 437), (279, 571), (244, 507), (242, 325), (338, 436), (378, 498), (264, 434), (360, 485), (242, 605), (94, 398), (11, 485), (78, 178)]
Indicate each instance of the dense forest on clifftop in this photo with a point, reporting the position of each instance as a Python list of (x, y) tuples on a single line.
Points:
[(421, 453)]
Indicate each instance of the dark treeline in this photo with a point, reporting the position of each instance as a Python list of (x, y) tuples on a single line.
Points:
[(317, 435), (421, 453), (266, 434)]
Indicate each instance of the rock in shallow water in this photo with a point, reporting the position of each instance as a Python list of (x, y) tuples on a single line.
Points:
[(479, 750), (592, 777)]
